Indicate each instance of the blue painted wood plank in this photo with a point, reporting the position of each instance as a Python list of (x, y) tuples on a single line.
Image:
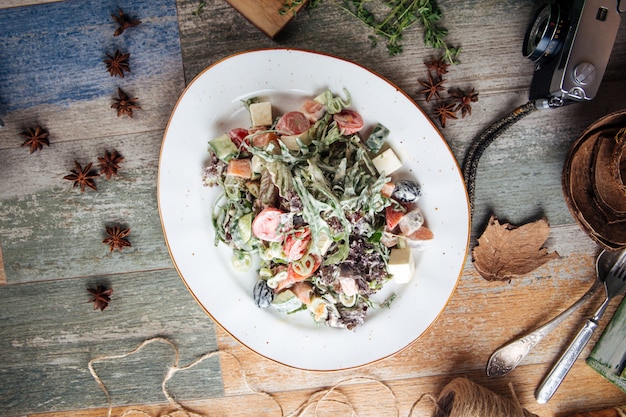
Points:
[(53, 53)]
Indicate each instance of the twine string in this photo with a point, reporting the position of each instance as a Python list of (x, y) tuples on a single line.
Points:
[(172, 370), (459, 398)]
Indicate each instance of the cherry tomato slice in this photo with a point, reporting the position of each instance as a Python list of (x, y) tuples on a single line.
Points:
[(312, 110), (293, 123), (238, 136), (348, 121)]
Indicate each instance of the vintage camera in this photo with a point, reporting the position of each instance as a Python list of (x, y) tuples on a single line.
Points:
[(570, 41)]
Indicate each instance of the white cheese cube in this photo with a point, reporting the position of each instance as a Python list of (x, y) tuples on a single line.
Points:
[(401, 265), (387, 162), (261, 113)]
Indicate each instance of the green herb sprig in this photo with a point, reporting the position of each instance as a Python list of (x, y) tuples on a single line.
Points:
[(403, 14)]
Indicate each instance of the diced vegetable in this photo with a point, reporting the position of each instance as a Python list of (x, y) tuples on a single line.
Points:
[(393, 215), (313, 110), (245, 227), (224, 147), (296, 244), (292, 123), (387, 189), (411, 222), (348, 121), (377, 138), (286, 302), (421, 234), (239, 168), (238, 136), (303, 290)]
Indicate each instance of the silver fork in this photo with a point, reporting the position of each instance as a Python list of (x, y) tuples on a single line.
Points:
[(614, 285)]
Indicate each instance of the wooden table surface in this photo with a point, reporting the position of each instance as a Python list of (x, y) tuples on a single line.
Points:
[(51, 74)]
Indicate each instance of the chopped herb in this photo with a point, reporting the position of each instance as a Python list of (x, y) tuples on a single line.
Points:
[(199, 9), (290, 6), (249, 101), (388, 301)]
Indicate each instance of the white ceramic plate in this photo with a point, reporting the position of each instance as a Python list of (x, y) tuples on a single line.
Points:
[(210, 106)]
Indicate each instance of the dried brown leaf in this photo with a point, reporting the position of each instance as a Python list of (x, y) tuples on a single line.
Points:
[(505, 251)]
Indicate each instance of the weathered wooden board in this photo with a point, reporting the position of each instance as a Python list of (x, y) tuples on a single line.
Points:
[(266, 14), (49, 332), (518, 179), (50, 230), (52, 71)]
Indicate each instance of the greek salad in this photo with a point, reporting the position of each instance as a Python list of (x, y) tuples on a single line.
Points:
[(315, 198)]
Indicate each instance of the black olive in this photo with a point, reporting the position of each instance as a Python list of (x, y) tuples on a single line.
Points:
[(263, 294), (406, 191)]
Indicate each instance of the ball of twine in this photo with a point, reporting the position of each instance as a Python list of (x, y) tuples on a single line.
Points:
[(464, 398)]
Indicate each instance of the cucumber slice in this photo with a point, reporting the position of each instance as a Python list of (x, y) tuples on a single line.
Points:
[(286, 302)]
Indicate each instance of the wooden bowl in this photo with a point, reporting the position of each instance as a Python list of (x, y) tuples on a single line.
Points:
[(594, 181)]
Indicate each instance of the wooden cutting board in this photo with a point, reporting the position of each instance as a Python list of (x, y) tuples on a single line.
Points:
[(265, 14)]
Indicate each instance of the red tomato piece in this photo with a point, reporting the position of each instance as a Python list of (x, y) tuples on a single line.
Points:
[(393, 215), (348, 121), (387, 189), (293, 276), (312, 110), (296, 244), (303, 290), (266, 225), (238, 136), (293, 123), (423, 233), (261, 140)]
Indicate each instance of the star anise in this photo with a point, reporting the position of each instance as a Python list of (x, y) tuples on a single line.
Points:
[(464, 101), (117, 64), (117, 238), (100, 297), (124, 22), (110, 163), (444, 111), (124, 104), (36, 138), (82, 177), (438, 66), (432, 87)]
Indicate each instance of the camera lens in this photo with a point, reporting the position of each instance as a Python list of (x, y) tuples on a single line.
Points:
[(543, 37)]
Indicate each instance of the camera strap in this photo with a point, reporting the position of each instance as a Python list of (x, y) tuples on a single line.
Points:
[(482, 141)]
